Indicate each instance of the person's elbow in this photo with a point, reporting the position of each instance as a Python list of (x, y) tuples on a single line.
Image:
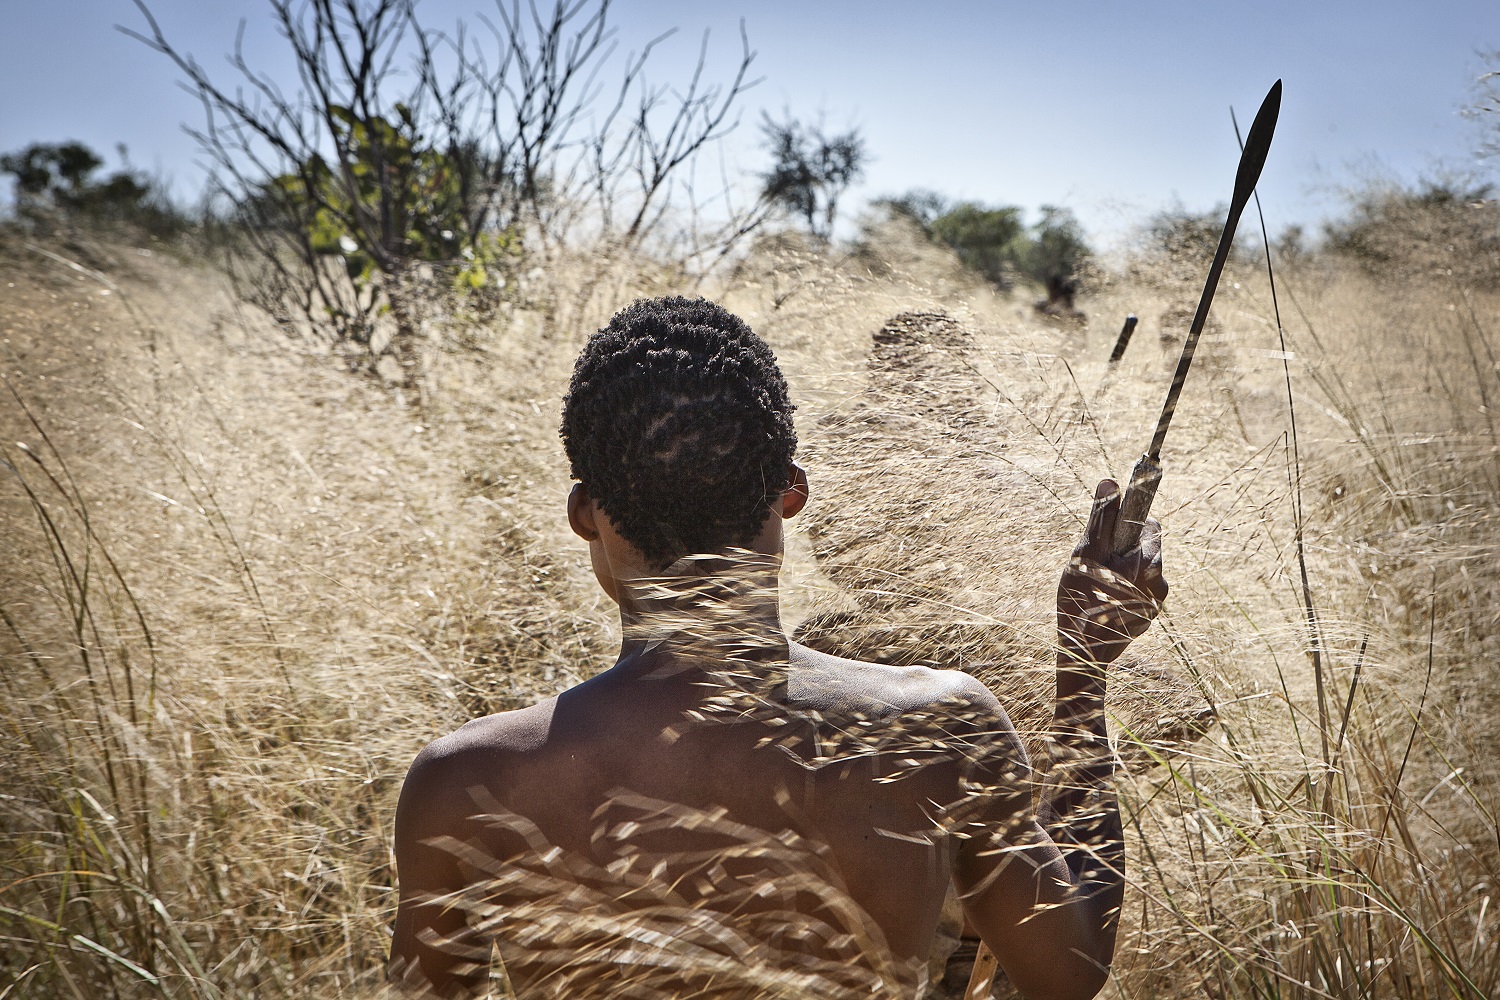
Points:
[(1087, 986), (1080, 979)]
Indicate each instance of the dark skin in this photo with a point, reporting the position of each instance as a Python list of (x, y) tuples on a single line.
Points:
[(1041, 886)]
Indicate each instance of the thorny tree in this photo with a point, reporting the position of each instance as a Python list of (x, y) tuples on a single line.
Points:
[(341, 191), (812, 169)]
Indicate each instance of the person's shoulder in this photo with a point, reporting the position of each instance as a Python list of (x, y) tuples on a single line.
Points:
[(839, 682), (478, 753), (481, 743), (930, 707)]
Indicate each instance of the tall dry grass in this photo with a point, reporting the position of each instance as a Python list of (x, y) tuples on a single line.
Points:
[(242, 589)]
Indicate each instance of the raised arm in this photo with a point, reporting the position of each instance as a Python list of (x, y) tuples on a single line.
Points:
[(1044, 892)]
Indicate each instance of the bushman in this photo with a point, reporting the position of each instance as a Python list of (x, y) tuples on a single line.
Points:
[(724, 812)]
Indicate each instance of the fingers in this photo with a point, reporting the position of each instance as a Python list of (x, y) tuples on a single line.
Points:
[(1137, 573), (1099, 534), (1150, 544), (1149, 577), (1105, 600)]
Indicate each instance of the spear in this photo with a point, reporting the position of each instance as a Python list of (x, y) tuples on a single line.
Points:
[(1135, 506), (1146, 476)]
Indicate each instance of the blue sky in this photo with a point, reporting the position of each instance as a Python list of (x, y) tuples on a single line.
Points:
[(1113, 109)]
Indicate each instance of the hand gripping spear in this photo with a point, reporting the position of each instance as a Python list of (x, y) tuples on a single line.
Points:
[(1146, 475)]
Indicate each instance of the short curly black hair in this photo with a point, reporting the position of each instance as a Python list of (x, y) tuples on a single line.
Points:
[(679, 425)]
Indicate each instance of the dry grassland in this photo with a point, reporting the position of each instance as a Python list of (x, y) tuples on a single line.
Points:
[(242, 587)]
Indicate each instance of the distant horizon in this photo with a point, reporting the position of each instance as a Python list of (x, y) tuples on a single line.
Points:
[(1117, 115)]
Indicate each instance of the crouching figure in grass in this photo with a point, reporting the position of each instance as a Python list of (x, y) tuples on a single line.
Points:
[(725, 813)]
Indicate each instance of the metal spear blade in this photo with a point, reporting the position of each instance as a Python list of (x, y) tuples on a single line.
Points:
[(1144, 479)]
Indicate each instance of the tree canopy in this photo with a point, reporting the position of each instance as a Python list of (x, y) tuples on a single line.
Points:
[(810, 170)]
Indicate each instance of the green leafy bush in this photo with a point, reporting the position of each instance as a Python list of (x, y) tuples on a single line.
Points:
[(996, 242), (985, 239)]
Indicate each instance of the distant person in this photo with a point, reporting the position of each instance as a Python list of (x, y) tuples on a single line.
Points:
[(726, 813)]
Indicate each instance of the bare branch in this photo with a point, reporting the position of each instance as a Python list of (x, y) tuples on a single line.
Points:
[(341, 186)]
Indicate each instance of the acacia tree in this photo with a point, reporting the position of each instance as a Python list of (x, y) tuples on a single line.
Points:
[(58, 179), (810, 170), (54, 176), (487, 151)]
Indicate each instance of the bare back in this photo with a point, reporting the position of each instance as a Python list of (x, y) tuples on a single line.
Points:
[(800, 841)]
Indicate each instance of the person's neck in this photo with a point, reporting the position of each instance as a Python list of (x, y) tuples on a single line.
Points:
[(721, 605)]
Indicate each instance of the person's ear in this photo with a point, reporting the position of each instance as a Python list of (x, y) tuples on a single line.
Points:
[(794, 498), (581, 514)]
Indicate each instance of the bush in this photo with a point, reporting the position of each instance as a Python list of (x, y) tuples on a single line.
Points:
[(997, 244), (58, 179), (345, 192), (1054, 253), (1440, 228), (1175, 246), (985, 239)]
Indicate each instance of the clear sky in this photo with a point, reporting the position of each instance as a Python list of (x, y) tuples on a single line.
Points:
[(1115, 109)]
